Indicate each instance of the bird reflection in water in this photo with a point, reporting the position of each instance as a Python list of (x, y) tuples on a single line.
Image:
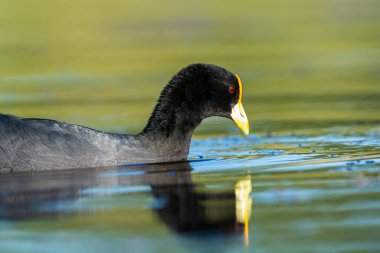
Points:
[(183, 205), (187, 207), (243, 191)]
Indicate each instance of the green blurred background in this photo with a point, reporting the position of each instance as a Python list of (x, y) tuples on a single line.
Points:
[(305, 65)]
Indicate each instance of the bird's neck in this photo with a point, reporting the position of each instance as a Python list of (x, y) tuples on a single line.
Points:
[(170, 128), (176, 115)]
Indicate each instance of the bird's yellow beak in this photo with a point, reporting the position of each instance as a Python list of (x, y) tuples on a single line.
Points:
[(240, 119), (238, 114)]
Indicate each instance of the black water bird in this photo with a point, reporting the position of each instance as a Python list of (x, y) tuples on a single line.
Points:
[(196, 92)]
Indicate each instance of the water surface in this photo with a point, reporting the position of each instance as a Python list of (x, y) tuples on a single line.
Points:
[(265, 194)]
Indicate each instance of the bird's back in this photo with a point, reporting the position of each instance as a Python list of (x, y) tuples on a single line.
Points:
[(39, 144)]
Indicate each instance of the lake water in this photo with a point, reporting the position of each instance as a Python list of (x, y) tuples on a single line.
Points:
[(266, 194), (307, 179)]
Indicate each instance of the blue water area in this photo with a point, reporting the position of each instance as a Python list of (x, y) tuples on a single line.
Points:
[(285, 193)]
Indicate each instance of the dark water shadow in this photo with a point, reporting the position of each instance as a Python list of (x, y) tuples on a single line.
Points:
[(177, 202)]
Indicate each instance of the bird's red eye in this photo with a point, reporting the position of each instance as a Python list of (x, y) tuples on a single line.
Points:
[(231, 89)]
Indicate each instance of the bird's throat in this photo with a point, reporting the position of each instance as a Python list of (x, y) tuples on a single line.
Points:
[(169, 132)]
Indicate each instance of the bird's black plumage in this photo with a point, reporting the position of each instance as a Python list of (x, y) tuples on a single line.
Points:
[(196, 92)]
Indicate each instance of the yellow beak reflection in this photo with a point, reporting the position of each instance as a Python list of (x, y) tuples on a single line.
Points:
[(243, 189), (239, 117)]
